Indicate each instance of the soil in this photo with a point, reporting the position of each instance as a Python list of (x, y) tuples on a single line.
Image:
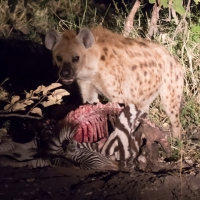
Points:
[(28, 65), (64, 183)]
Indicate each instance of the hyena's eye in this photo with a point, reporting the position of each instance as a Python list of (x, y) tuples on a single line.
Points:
[(59, 58), (75, 59)]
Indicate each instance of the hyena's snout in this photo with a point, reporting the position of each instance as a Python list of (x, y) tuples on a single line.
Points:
[(66, 73)]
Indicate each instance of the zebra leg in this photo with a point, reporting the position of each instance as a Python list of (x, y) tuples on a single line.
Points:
[(122, 143)]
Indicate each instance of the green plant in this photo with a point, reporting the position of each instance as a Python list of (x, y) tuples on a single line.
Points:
[(175, 4)]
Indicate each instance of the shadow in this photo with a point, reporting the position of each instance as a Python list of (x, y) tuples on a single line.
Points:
[(26, 64)]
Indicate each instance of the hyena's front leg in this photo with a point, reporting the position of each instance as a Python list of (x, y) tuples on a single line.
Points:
[(88, 92)]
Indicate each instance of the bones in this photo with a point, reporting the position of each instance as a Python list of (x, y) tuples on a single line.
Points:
[(91, 121)]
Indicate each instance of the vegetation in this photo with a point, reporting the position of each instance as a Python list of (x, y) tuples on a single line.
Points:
[(177, 28)]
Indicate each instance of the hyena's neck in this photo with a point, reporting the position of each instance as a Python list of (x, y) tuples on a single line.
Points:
[(89, 69), (92, 62)]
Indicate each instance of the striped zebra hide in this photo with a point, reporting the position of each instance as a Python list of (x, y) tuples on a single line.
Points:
[(83, 140)]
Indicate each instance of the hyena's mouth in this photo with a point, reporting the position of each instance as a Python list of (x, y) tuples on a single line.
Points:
[(67, 81), (66, 74)]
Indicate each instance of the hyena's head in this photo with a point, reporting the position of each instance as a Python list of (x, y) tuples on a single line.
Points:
[(69, 51)]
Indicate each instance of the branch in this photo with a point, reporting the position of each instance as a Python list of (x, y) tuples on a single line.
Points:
[(44, 96), (174, 16), (154, 19), (179, 27), (20, 115), (128, 24)]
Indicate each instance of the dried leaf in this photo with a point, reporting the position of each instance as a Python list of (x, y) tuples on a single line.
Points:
[(37, 111), (50, 102), (15, 99), (28, 95), (31, 95), (7, 107), (28, 101), (35, 98), (60, 92), (39, 89), (3, 94), (50, 87), (19, 106)]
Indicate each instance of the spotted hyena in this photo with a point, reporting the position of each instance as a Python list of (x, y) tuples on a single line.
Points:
[(122, 69)]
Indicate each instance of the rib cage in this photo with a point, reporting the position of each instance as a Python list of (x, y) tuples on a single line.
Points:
[(91, 121)]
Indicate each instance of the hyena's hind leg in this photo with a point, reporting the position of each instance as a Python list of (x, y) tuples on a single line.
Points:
[(171, 97)]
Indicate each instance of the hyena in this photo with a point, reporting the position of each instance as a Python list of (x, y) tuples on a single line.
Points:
[(124, 70)]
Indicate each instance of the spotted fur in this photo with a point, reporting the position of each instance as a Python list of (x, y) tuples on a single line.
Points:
[(124, 70)]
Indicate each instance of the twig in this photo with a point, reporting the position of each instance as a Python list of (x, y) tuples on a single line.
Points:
[(84, 13), (37, 104), (4, 81), (128, 24), (44, 96), (6, 114), (154, 19), (179, 27), (174, 16), (20, 115), (105, 14)]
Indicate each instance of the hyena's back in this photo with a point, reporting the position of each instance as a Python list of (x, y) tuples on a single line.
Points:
[(136, 71), (122, 69)]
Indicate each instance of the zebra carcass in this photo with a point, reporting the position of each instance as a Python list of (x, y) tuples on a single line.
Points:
[(83, 140)]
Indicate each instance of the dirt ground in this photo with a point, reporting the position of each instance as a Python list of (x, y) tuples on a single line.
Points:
[(29, 65), (64, 183)]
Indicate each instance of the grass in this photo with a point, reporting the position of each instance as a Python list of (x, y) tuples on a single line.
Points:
[(183, 41)]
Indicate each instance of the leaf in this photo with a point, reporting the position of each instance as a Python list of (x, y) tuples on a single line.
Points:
[(178, 2), (59, 93), (195, 29), (7, 107), (39, 89), (196, 38), (28, 101), (51, 101), (19, 106), (152, 1), (37, 111), (15, 99), (31, 95), (179, 9), (50, 87), (28, 95), (164, 3)]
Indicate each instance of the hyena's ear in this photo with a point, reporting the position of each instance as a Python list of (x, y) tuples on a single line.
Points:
[(86, 37), (51, 38)]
